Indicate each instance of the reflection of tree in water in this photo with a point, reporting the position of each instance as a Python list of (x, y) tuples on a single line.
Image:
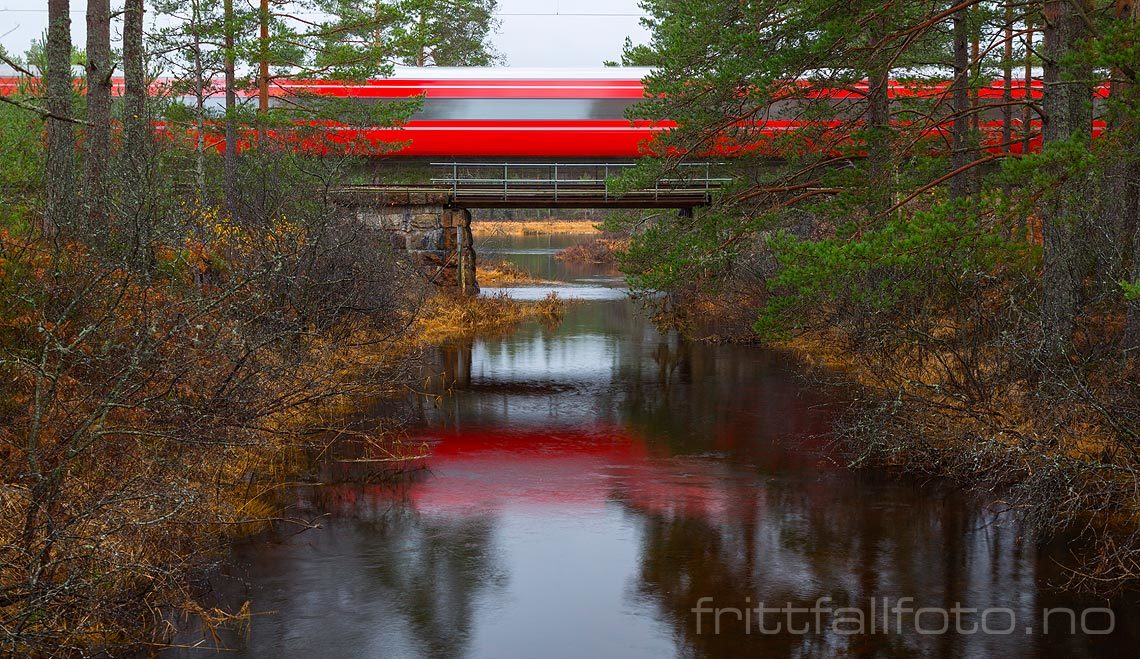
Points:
[(693, 398), (780, 544), (377, 576), (434, 568), (455, 361), (686, 557)]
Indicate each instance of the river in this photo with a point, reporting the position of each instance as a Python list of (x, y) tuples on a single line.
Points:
[(599, 489)]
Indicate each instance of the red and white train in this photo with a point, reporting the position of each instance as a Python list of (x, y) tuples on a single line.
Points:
[(563, 113), (510, 113)]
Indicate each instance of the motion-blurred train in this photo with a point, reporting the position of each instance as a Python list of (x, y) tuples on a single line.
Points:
[(575, 113)]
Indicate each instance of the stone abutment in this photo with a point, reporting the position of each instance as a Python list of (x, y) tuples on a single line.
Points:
[(423, 226)]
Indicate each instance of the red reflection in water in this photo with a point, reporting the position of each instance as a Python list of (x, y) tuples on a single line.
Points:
[(564, 468), (567, 470)]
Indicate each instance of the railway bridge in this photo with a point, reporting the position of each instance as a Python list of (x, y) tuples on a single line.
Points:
[(431, 221), (554, 138)]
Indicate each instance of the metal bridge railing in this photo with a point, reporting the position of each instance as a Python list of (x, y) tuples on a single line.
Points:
[(568, 180)]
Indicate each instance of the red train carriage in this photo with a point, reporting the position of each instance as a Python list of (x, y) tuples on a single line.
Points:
[(567, 113), (511, 113)]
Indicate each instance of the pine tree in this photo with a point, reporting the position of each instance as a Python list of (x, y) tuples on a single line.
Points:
[(97, 143), (1067, 131), (61, 139), (445, 32)]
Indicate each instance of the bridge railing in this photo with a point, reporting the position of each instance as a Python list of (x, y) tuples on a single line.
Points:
[(565, 181)]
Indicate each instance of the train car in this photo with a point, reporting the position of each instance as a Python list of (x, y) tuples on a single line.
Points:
[(505, 112), (520, 113), (582, 113)]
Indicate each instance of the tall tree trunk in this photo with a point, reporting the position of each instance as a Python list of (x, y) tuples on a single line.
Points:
[(1129, 10), (879, 121), (61, 139), (975, 181), (199, 101), (1027, 113), (97, 145), (135, 125), (136, 130), (960, 100), (1017, 231), (1118, 197), (263, 61), (1062, 215), (230, 156), (1007, 81), (263, 104), (975, 69)]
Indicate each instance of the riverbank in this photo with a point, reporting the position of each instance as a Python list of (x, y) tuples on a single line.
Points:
[(484, 228), (184, 411), (1062, 460), (373, 365), (1058, 459)]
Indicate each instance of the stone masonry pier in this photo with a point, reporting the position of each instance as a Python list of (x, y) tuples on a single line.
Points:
[(425, 226)]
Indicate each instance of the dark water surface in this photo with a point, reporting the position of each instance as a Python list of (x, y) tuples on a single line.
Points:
[(593, 484)]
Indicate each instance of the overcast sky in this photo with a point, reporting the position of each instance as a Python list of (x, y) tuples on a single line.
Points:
[(532, 32)]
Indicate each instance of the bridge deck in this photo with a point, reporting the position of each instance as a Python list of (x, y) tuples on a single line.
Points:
[(544, 185), (495, 197), (556, 185)]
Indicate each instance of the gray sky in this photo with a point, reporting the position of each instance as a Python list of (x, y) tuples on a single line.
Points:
[(532, 33)]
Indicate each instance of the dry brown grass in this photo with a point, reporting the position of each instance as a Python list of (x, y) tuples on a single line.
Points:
[(533, 227), (447, 317), (599, 251), (824, 349), (724, 316), (503, 273)]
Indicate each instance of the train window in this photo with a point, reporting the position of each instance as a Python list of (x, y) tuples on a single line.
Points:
[(212, 104), (439, 109), (482, 109), (443, 109)]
